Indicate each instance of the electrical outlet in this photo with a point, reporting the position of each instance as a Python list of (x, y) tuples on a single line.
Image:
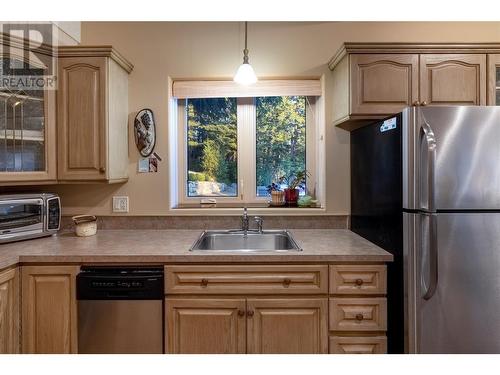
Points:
[(120, 204)]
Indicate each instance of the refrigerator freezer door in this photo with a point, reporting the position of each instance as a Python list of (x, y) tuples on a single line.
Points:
[(462, 315), (453, 158)]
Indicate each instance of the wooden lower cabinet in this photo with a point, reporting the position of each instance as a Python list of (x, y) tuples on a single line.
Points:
[(9, 312), (49, 313), (287, 326), (358, 314), (358, 345), (205, 326), (238, 326)]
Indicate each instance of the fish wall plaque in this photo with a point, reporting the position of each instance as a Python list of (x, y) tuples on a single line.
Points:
[(145, 132)]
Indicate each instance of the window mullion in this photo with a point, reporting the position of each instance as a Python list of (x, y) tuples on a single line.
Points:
[(246, 149)]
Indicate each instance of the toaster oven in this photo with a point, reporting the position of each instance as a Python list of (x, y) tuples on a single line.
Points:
[(24, 216)]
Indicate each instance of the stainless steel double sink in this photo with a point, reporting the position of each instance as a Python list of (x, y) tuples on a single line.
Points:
[(246, 241)]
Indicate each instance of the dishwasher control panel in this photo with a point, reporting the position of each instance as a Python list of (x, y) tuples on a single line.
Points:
[(120, 283)]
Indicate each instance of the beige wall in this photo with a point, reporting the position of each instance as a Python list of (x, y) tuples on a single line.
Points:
[(160, 50)]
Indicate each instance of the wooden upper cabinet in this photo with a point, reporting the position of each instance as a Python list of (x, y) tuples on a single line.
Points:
[(49, 309), (27, 121), (372, 81), (82, 133), (453, 79), (493, 97), (9, 311), (287, 326), (383, 83), (205, 326), (92, 116)]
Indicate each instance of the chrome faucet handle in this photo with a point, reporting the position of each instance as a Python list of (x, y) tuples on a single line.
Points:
[(259, 222), (244, 220)]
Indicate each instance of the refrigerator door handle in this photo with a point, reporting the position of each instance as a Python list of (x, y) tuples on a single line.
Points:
[(433, 259), (430, 140)]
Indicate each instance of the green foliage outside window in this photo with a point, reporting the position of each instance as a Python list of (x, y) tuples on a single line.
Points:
[(212, 143), (281, 138)]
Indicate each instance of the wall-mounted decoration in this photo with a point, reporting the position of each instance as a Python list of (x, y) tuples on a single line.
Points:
[(145, 132)]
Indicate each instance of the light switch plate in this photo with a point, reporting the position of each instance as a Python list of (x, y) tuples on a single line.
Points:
[(120, 204)]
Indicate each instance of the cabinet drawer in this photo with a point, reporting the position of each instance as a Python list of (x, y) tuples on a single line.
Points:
[(358, 345), (358, 279), (264, 279), (358, 314)]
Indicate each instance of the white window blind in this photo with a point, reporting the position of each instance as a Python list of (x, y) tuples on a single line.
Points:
[(222, 89)]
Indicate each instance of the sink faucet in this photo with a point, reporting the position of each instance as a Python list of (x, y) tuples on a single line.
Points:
[(245, 221), (259, 221)]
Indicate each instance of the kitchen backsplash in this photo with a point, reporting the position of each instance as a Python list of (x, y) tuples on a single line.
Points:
[(213, 222)]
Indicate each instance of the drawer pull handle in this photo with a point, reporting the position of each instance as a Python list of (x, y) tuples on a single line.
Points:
[(241, 313), (359, 282), (250, 313), (204, 282), (287, 282), (359, 317)]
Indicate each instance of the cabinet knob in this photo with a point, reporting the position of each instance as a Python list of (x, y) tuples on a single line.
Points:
[(287, 282), (204, 282), (102, 169), (250, 313), (359, 282), (359, 317), (416, 103), (424, 103), (241, 313)]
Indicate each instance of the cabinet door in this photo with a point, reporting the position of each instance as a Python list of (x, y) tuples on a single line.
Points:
[(291, 326), (9, 312), (81, 100), (383, 83), (493, 79), (451, 79), (205, 326), (49, 309), (27, 125)]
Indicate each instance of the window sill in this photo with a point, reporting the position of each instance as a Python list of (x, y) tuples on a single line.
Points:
[(253, 209)]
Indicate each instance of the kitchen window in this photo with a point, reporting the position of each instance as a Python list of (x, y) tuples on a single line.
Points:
[(231, 148)]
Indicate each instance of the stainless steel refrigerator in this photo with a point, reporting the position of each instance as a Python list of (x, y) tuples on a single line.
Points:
[(425, 185)]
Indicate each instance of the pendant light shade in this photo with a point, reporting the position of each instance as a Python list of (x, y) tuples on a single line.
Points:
[(245, 74)]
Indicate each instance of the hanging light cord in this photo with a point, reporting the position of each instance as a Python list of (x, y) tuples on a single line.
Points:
[(245, 51)]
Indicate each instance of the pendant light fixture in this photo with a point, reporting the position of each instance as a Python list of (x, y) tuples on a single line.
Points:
[(245, 74)]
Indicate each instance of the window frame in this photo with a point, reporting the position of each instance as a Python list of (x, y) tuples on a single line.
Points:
[(246, 161)]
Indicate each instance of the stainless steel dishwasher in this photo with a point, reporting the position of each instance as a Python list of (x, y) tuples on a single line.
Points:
[(120, 310)]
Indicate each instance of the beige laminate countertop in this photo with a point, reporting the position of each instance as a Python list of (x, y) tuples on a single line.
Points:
[(172, 246)]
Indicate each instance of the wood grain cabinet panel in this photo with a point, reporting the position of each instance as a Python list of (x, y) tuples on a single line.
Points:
[(49, 312), (358, 279), (81, 102), (252, 279), (453, 79), (293, 326), (9, 312), (383, 83), (205, 326), (358, 345), (493, 79), (92, 101), (358, 314)]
